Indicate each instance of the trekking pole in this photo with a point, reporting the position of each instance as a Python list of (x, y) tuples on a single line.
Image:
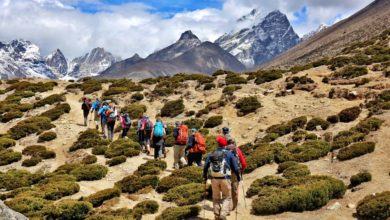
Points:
[(243, 189), (204, 200)]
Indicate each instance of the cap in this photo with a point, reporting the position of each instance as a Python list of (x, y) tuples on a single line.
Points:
[(193, 130), (225, 130), (222, 142)]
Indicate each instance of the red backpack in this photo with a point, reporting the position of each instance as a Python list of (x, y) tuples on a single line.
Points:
[(183, 135), (200, 144)]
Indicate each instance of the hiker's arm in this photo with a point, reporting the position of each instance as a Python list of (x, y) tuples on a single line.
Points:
[(175, 133), (191, 143)]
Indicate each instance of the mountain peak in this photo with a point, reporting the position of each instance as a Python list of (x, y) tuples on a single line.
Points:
[(188, 35)]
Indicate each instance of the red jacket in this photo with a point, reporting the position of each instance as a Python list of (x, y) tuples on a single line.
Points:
[(242, 159)]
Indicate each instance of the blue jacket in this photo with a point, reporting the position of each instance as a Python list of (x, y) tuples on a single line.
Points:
[(95, 105), (231, 162), (102, 112)]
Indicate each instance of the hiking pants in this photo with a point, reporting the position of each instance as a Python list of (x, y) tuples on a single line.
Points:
[(124, 132), (96, 118), (158, 143), (85, 113), (179, 155), (235, 190), (222, 195), (104, 126), (195, 157), (110, 130)]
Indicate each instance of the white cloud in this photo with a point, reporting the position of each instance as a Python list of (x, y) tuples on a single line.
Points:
[(131, 28)]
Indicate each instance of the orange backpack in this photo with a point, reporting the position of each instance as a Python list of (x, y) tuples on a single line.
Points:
[(200, 144), (183, 135)]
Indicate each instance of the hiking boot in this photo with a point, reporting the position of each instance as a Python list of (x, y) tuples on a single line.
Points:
[(176, 167)]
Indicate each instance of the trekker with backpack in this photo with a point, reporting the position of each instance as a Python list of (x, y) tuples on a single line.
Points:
[(226, 134), (196, 147), (86, 106), (158, 134), (95, 109), (111, 115), (145, 127), (125, 123), (180, 133), (103, 118), (239, 157), (219, 165)]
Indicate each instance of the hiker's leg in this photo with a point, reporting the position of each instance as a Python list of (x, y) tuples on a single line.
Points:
[(176, 156), (85, 120), (226, 190), (182, 159), (190, 159), (233, 203), (215, 186), (147, 144), (96, 121), (198, 159)]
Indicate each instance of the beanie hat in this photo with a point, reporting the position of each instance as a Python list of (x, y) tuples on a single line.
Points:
[(225, 130), (222, 142), (193, 130)]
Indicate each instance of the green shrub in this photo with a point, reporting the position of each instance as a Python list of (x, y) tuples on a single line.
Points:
[(30, 126), (309, 150), (350, 72), (89, 172), (99, 197), (13, 179), (192, 173), (28, 205), (234, 78), (247, 105), (68, 210), (185, 194), (134, 183), (31, 87), (170, 182), (89, 139), (99, 150), (349, 114), (314, 122), (229, 90), (296, 194), (24, 107), (91, 86), (10, 116), (286, 165), (52, 99), (367, 125), (213, 121), (151, 167), (136, 97), (311, 136), (333, 119), (262, 155), (56, 112), (89, 159), (47, 136), (269, 138), (150, 81), (6, 142), (286, 128), (299, 68), (31, 162), (116, 160), (266, 76), (360, 178), (339, 61), (124, 147), (145, 207), (194, 123), (356, 150), (54, 190), (172, 108), (9, 156), (189, 113), (296, 171), (177, 213), (209, 86), (268, 181), (38, 151), (374, 206), (299, 135)]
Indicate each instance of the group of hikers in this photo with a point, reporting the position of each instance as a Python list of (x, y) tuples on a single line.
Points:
[(224, 166)]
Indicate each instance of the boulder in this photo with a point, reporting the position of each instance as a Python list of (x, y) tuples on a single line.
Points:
[(8, 214)]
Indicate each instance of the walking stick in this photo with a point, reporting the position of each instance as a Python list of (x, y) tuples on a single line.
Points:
[(204, 199), (243, 189)]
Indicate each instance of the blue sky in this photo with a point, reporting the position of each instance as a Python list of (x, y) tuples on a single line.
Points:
[(164, 7)]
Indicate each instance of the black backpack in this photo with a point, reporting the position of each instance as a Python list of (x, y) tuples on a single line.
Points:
[(218, 165)]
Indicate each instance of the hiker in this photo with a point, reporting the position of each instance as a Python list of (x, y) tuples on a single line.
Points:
[(111, 115), (144, 130), (125, 123), (196, 147), (158, 134), (103, 118), (220, 164), (241, 162), (86, 106), (180, 133), (95, 109), (226, 134)]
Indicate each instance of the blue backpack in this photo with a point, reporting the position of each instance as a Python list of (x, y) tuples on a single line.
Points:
[(158, 129)]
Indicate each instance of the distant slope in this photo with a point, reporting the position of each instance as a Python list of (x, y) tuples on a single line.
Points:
[(366, 23)]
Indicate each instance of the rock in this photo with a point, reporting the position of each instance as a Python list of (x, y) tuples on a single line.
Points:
[(335, 206), (250, 128), (8, 214), (355, 189), (318, 128), (244, 136), (351, 206)]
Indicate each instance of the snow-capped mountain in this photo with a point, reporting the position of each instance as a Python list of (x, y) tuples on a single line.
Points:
[(91, 64), (312, 33), (261, 39), (22, 59), (186, 42), (58, 63)]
